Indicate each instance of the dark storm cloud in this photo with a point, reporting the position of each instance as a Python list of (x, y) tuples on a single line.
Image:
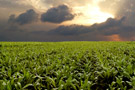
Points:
[(80, 29), (70, 30), (25, 18), (57, 14), (128, 9), (120, 8)]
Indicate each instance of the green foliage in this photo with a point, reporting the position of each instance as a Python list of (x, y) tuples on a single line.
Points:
[(67, 66)]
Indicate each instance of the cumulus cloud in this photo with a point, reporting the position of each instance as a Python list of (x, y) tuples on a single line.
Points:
[(57, 14), (25, 18)]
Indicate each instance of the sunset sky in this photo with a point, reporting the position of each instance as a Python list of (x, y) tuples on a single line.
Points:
[(67, 20)]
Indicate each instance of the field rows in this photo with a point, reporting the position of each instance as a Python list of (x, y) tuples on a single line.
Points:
[(67, 65)]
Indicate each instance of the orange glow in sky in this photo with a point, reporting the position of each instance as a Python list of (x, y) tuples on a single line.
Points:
[(114, 37)]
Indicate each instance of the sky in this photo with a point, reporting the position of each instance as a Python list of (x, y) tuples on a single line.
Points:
[(67, 20)]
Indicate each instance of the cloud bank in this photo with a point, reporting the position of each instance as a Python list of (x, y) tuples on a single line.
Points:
[(111, 30), (106, 31)]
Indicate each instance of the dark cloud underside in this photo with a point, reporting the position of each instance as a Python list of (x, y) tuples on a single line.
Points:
[(57, 14), (25, 18)]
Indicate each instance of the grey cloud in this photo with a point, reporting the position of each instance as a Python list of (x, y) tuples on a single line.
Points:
[(8, 7), (14, 4), (80, 29), (69, 30), (120, 8), (25, 18), (57, 14), (8, 3), (128, 9)]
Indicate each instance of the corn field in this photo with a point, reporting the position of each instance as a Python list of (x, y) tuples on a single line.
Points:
[(67, 65)]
